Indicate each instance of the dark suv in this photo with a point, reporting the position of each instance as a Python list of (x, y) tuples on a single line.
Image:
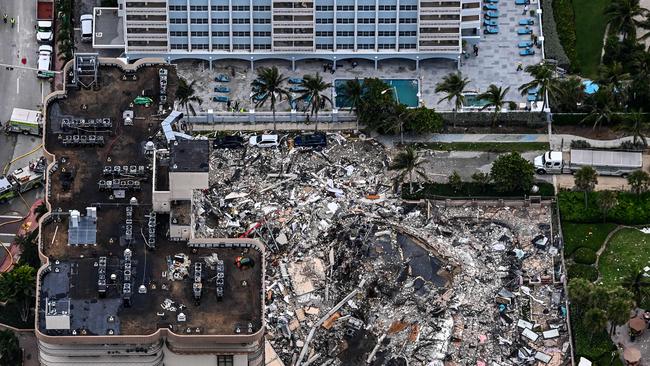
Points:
[(228, 142), (316, 139)]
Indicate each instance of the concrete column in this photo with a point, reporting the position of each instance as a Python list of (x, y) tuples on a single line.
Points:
[(376, 62), (417, 63), (293, 64), (252, 64), (334, 64), (210, 63)]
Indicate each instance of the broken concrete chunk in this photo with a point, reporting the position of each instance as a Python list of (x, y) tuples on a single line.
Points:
[(530, 334)]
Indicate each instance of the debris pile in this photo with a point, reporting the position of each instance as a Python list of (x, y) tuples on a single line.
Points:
[(357, 276)]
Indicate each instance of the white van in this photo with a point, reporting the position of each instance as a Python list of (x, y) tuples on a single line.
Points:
[(86, 27)]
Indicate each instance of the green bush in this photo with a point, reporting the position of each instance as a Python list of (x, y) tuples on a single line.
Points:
[(584, 256), (591, 344), (423, 120), (566, 28), (577, 270), (632, 209), (468, 189)]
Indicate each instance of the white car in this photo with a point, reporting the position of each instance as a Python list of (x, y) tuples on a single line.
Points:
[(44, 31), (86, 27), (263, 140), (44, 59)]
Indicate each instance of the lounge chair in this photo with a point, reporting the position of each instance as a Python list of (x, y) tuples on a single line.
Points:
[(295, 80), (492, 14), (526, 21), (522, 2), (222, 89), (296, 89), (490, 7), (222, 78), (491, 30), (490, 22), (221, 98), (532, 98), (525, 44), (527, 52), (533, 91), (491, 1), (522, 31)]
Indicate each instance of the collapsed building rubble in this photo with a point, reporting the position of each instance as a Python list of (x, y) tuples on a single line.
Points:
[(357, 276)]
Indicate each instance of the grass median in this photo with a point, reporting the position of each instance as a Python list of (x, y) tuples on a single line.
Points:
[(495, 147)]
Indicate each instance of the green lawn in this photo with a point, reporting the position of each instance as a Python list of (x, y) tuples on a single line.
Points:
[(584, 235), (627, 251), (496, 147), (590, 31)]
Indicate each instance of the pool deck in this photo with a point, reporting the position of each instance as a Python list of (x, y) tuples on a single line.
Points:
[(496, 64)]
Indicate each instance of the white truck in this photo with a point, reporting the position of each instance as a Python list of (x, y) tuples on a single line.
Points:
[(22, 180), (605, 162), (25, 121)]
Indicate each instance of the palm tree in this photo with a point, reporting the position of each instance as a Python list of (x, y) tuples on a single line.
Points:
[(352, 93), (619, 307), (10, 353), (495, 98), (637, 283), (601, 106), (185, 96), (586, 179), (544, 80), (453, 85), (636, 126), (408, 162), (268, 88), (622, 16), (314, 86), (571, 94), (616, 76)]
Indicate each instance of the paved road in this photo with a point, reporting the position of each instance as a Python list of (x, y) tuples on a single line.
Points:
[(20, 87)]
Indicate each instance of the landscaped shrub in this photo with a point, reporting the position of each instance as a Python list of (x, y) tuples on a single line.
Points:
[(552, 44), (577, 270), (580, 144), (590, 343), (630, 145), (584, 256), (566, 28)]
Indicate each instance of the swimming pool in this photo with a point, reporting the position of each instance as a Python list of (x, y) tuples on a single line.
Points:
[(472, 101), (406, 90)]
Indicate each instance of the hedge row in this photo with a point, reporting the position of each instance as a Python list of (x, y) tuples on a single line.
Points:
[(467, 189), (566, 28), (484, 119), (577, 270), (571, 119), (584, 256), (552, 44), (631, 209)]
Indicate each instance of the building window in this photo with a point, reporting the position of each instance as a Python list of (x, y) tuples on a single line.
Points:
[(221, 46), (198, 7), (262, 34), (386, 20), (262, 46), (241, 8), (177, 34), (345, 20), (199, 21), (224, 361), (345, 46), (407, 33), (219, 7), (220, 20), (386, 46), (177, 7), (325, 33), (327, 46), (324, 7), (345, 8), (200, 46), (325, 21), (261, 8), (407, 45), (345, 33), (408, 7), (367, 7), (241, 34), (365, 46), (366, 33), (261, 21), (387, 7), (200, 34), (178, 21), (241, 21), (179, 46), (408, 20)]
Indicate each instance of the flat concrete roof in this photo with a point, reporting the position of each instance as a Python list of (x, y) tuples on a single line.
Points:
[(108, 28)]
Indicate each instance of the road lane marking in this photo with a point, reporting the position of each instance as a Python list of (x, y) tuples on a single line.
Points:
[(18, 85), (18, 21)]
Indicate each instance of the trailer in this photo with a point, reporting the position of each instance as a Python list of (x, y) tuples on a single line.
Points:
[(22, 180), (25, 121), (44, 17), (605, 162)]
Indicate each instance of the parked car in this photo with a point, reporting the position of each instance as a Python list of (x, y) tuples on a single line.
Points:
[(44, 60), (317, 139), (264, 140), (228, 142), (44, 31), (86, 27)]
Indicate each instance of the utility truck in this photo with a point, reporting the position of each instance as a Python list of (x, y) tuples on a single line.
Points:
[(605, 162), (25, 121), (44, 16), (22, 180)]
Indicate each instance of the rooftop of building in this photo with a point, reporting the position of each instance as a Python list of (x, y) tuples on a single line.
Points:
[(190, 156), (109, 29), (80, 180)]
